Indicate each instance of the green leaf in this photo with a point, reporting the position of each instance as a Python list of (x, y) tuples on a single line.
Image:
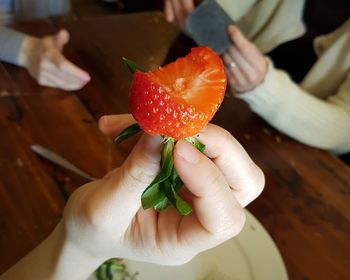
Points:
[(153, 195), (180, 205), (163, 204), (133, 66), (101, 272), (118, 267), (127, 132), (176, 180), (196, 143), (167, 159), (173, 176), (178, 184), (109, 272)]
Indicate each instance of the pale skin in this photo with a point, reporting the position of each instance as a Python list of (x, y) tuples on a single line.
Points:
[(43, 59), (246, 67), (104, 219)]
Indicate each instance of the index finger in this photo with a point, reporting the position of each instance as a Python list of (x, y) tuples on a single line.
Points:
[(217, 214), (244, 177), (248, 50)]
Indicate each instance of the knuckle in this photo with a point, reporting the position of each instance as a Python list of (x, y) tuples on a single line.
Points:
[(135, 173), (253, 78), (224, 137), (214, 178), (233, 225), (91, 215), (239, 88), (87, 206), (225, 140)]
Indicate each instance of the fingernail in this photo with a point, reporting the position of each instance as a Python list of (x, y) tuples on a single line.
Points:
[(87, 78), (187, 152)]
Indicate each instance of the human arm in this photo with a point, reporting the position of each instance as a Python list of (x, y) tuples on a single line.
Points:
[(284, 104), (45, 62), (10, 46), (55, 258), (43, 58)]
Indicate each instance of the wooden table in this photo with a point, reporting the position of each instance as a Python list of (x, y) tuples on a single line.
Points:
[(306, 203)]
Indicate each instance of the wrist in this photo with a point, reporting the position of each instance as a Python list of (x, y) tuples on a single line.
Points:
[(55, 258), (29, 48), (72, 260)]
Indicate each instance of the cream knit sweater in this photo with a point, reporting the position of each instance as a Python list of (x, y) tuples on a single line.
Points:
[(317, 111)]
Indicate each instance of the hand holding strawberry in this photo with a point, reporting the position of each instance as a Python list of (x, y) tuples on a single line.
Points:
[(175, 101), (89, 231)]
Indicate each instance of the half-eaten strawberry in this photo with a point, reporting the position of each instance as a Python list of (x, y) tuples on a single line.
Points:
[(175, 101)]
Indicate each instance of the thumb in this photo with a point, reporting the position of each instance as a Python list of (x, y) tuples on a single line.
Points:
[(112, 125), (127, 184), (61, 38)]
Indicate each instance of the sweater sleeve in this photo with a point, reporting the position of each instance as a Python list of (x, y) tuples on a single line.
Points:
[(320, 123), (10, 45)]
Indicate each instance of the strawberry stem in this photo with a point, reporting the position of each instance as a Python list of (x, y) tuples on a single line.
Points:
[(165, 187), (153, 194), (195, 142)]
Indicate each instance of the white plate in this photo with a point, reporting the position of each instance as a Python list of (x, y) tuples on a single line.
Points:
[(252, 255)]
